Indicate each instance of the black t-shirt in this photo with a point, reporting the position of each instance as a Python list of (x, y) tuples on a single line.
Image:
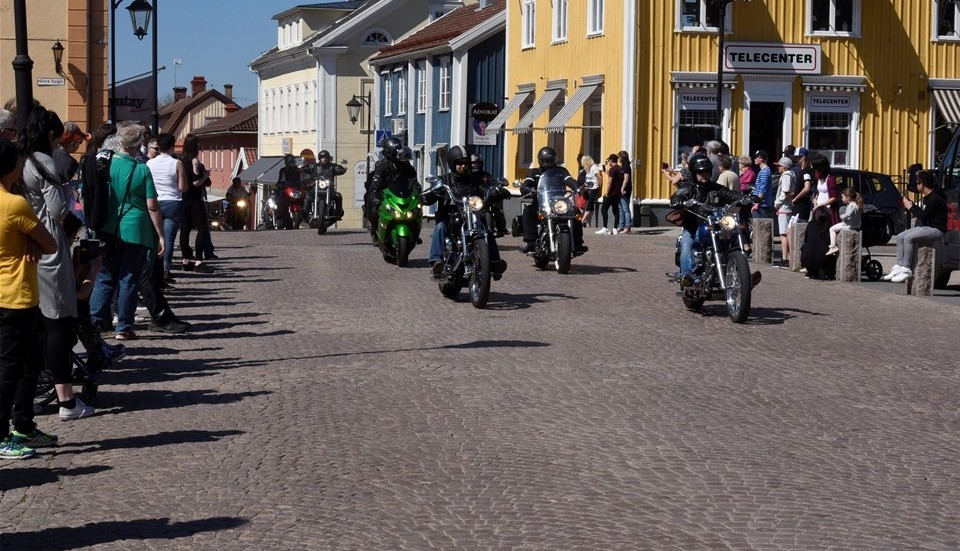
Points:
[(627, 170), (66, 165)]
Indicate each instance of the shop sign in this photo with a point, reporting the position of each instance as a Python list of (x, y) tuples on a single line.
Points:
[(754, 57), (480, 116), (829, 104), (698, 100)]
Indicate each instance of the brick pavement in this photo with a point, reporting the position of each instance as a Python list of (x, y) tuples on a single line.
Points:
[(328, 400)]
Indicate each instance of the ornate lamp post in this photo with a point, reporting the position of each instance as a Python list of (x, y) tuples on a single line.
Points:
[(353, 111), (58, 56), (721, 25), (141, 12)]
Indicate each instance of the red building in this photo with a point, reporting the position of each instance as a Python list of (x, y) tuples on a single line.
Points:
[(225, 142)]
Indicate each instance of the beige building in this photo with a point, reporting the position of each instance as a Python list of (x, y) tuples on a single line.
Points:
[(79, 92)]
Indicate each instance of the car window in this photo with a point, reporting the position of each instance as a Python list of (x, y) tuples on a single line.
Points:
[(846, 180), (872, 185)]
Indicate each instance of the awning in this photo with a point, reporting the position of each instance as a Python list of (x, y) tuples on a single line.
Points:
[(508, 109), (948, 103), (265, 171), (560, 121), (538, 108)]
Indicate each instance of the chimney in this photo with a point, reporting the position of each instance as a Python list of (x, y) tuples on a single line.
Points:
[(228, 91), (198, 86), (179, 93)]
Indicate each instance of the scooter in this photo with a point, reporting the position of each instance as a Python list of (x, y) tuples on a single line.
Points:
[(400, 221)]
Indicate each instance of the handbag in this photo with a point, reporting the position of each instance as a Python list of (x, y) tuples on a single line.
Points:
[(579, 201)]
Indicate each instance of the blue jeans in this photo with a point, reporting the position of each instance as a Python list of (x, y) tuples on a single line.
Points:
[(440, 236), (626, 212), (686, 253), (172, 212), (120, 269)]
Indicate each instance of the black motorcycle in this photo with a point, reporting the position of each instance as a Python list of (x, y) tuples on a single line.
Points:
[(555, 221), (466, 255), (326, 209)]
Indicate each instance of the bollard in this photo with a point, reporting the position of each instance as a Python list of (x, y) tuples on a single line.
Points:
[(924, 275), (849, 260), (763, 240), (797, 231)]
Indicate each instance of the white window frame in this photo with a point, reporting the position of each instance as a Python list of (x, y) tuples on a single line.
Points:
[(421, 86), (561, 11), (853, 136), (281, 120), (595, 16), (528, 24), (699, 27), (856, 23), (288, 123), (387, 95), (935, 23), (444, 83), (297, 115), (401, 92)]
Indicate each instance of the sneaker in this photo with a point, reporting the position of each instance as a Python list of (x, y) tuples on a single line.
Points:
[(803, 270), (832, 250), (893, 272), (113, 353), (526, 247), (903, 275), (602, 231), (614, 231), (127, 335), (79, 411), (172, 327), (12, 450), (35, 439)]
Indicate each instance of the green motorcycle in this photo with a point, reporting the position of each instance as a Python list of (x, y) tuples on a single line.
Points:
[(399, 222)]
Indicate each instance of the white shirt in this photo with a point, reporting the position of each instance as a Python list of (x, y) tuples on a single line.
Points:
[(591, 177), (163, 167), (823, 192)]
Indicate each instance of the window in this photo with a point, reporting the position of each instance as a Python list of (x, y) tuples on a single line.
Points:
[(702, 15), (594, 17), (281, 121), (557, 140), (288, 122), (444, 85), (560, 10), (401, 93), (528, 23), (525, 139), (422, 87), (947, 16), (307, 114), (834, 17), (387, 96), (696, 127), (829, 135), (376, 38), (297, 120)]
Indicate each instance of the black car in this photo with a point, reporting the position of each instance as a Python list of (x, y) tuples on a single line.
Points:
[(883, 212)]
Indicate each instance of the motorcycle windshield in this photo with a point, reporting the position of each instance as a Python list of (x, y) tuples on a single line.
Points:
[(552, 188), (404, 187)]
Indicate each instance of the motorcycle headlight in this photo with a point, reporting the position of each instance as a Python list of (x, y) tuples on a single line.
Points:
[(323, 184), (728, 222), (560, 206), (271, 203), (475, 203), (241, 204)]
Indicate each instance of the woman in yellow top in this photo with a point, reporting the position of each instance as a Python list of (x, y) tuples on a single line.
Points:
[(22, 240)]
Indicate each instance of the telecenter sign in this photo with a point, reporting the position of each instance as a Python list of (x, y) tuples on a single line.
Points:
[(753, 57)]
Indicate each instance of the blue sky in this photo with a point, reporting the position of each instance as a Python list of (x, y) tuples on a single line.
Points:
[(214, 38)]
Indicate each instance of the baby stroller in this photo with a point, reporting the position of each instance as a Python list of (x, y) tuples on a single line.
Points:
[(82, 374), (873, 226)]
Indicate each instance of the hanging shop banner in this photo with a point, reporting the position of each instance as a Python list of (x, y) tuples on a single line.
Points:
[(135, 100), (787, 59), (698, 100), (480, 116)]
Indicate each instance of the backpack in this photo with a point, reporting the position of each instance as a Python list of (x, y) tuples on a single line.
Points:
[(95, 188)]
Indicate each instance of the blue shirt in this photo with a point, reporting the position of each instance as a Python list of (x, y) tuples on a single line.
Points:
[(762, 186)]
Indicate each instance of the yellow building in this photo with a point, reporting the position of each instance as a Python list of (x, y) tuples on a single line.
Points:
[(570, 65), (79, 92), (871, 85)]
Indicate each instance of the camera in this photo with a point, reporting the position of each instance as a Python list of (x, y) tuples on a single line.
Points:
[(88, 249)]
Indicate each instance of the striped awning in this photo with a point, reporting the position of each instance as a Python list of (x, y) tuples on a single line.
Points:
[(538, 108), (948, 103), (508, 109), (583, 93)]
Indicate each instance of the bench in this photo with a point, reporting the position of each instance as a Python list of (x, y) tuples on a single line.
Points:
[(849, 260)]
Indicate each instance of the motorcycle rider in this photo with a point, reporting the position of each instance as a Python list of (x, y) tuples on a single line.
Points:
[(496, 210), (289, 176), (547, 160), (237, 216), (392, 166), (463, 182), (703, 190), (326, 169)]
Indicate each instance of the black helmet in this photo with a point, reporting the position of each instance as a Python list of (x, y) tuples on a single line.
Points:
[(457, 153), (547, 157), (406, 154), (476, 163), (324, 154), (391, 148), (700, 163)]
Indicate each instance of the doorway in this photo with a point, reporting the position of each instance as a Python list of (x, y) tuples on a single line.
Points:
[(766, 128)]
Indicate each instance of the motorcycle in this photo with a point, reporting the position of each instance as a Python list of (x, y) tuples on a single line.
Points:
[(721, 270), (326, 209), (237, 214), (400, 220), (268, 218), (295, 194), (466, 256), (557, 212)]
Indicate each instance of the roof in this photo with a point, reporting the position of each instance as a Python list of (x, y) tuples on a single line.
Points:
[(275, 53), (444, 30), (172, 113), (244, 120), (345, 5)]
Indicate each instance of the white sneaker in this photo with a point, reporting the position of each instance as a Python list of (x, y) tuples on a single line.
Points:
[(832, 250), (602, 231), (79, 411), (903, 275), (893, 272), (614, 231)]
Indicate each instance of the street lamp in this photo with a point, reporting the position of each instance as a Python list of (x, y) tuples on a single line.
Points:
[(353, 111), (22, 64), (141, 13), (721, 26), (58, 56)]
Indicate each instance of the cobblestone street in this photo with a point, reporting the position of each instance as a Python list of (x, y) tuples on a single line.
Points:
[(328, 400)]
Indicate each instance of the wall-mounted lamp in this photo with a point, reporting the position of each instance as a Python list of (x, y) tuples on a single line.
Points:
[(58, 56)]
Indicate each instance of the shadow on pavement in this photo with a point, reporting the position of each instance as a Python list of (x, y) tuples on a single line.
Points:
[(34, 476), (147, 440), (588, 269), (759, 316), (60, 539), (466, 345), (503, 301), (146, 400)]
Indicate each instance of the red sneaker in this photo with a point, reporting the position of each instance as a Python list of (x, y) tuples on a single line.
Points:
[(127, 335)]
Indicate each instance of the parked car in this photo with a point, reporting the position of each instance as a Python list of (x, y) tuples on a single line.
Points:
[(884, 215)]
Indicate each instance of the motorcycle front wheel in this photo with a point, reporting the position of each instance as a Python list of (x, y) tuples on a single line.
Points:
[(403, 251), (295, 220), (738, 287), (321, 217), (564, 253), (480, 280), (451, 289)]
